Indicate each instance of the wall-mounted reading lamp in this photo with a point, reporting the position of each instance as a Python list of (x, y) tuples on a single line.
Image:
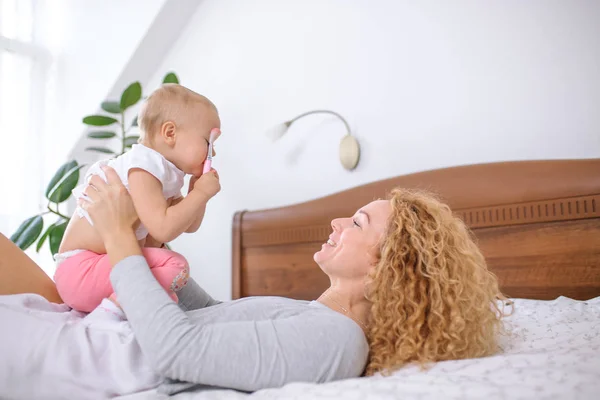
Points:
[(349, 147)]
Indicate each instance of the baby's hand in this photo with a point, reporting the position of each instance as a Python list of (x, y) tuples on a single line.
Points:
[(208, 184)]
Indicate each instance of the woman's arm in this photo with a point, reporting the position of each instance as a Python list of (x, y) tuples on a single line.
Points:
[(243, 355)]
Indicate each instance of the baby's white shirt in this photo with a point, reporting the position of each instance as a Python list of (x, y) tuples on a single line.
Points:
[(141, 157)]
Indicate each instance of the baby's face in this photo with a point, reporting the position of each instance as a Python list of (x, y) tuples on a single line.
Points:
[(192, 139)]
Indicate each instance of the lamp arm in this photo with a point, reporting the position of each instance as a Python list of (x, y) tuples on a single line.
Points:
[(290, 122)]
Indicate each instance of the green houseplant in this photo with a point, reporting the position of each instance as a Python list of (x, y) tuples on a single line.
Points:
[(66, 177)]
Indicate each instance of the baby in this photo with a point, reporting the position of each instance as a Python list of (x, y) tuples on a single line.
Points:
[(176, 124)]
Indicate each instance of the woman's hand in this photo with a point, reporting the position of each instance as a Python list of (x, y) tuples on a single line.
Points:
[(112, 212), (110, 207)]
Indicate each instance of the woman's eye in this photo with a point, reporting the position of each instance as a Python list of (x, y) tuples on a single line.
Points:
[(355, 223)]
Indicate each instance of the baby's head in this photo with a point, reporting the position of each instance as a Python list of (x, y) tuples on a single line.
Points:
[(176, 122)]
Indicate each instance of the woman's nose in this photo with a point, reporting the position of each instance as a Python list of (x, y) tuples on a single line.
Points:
[(336, 225)]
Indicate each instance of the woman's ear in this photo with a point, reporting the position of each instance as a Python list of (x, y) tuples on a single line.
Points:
[(167, 132), (375, 254)]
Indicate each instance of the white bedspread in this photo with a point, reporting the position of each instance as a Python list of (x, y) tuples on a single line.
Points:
[(553, 352)]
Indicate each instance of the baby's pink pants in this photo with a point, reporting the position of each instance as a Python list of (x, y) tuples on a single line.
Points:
[(83, 279)]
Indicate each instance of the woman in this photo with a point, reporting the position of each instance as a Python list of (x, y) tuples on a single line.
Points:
[(408, 284)]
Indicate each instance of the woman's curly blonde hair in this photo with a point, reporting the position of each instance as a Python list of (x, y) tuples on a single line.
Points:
[(433, 298)]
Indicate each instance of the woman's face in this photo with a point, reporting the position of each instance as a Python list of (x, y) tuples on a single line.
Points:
[(353, 245)]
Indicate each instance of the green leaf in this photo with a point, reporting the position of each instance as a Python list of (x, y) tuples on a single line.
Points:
[(99, 120), (171, 78), (69, 165), (135, 121), (100, 150), (63, 188), (56, 235), (111, 107), (21, 228), (101, 135), (40, 242), (28, 232), (131, 140), (131, 95), (62, 183)]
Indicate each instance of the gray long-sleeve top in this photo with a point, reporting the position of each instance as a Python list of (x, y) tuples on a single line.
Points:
[(247, 344)]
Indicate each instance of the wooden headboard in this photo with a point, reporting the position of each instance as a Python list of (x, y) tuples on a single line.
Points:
[(537, 223)]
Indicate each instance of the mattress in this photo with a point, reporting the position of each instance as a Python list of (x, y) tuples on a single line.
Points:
[(551, 351)]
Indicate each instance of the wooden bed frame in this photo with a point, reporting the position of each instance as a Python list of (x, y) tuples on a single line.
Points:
[(537, 223)]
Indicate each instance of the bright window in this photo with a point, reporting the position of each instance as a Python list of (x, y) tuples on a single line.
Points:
[(25, 68)]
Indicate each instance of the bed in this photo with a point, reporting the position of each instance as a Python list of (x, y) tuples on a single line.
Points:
[(538, 225)]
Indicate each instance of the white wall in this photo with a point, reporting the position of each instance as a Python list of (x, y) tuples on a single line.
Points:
[(95, 40), (423, 84), (165, 29)]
